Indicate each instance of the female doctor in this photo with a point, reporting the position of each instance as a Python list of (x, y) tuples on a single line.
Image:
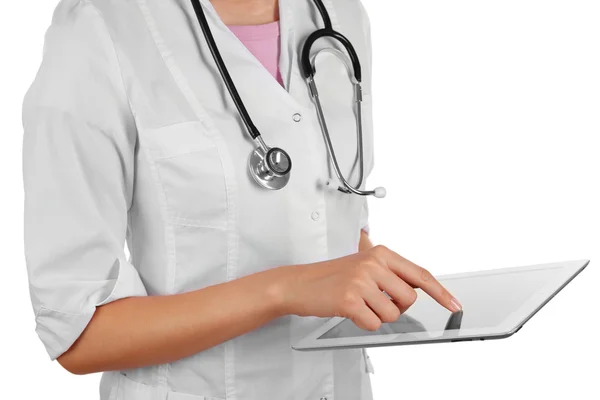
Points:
[(133, 135)]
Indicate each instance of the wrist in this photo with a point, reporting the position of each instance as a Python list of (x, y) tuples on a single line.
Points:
[(279, 283)]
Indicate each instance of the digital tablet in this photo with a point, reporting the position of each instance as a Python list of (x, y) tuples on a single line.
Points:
[(496, 304)]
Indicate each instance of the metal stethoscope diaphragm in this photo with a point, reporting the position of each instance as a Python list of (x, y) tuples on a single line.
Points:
[(271, 166)]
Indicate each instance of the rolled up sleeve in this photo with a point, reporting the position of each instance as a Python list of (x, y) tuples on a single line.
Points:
[(78, 167)]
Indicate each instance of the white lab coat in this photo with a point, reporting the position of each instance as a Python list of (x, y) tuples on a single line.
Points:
[(130, 135)]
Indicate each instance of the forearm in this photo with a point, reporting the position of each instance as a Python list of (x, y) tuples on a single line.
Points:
[(143, 331)]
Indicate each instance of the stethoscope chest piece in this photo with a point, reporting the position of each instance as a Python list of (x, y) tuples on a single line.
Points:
[(271, 168)]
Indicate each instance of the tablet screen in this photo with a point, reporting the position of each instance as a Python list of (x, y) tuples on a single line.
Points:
[(487, 301)]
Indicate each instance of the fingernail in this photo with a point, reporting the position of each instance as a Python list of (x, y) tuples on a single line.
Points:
[(456, 306)]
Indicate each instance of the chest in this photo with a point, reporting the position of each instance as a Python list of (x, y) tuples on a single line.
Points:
[(191, 135)]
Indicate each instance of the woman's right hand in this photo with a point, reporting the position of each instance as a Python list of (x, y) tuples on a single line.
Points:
[(352, 287)]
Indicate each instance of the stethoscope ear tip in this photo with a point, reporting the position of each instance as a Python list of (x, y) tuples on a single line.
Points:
[(380, 192)]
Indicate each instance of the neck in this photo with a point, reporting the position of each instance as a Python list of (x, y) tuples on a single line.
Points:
[(247, 12)]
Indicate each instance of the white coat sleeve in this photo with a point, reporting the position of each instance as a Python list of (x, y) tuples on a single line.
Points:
[(78, 168)]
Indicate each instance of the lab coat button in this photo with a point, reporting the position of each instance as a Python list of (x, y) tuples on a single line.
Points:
[(297, 117), (315, 216)]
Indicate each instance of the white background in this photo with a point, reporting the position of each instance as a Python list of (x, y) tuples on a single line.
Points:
[(487, 117)]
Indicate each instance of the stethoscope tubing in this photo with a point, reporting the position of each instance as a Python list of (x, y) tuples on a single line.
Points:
[(250, 126), (328, 143), (270, 179), (309, 69), (309, 74)]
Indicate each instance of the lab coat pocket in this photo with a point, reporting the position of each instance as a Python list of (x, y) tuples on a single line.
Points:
[(124, 388), (185, 396), (189, 168)]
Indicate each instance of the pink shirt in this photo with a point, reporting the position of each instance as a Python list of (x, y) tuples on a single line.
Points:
[(263, 43)]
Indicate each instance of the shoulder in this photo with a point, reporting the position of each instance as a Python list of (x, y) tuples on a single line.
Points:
[(69, 12), (351, 10), (95, 17), (79, 59), (354, 23), (76, 25), (88, 29), (77, 38), (353, 20)]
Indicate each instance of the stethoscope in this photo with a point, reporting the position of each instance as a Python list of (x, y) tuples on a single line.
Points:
[(271, 166)]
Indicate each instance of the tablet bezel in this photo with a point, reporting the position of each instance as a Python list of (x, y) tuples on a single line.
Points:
[(568, 271)]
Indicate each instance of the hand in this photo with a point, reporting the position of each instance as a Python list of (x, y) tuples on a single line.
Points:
[(352, 287)]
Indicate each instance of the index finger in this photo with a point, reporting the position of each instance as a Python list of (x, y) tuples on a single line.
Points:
[(421, 278)]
